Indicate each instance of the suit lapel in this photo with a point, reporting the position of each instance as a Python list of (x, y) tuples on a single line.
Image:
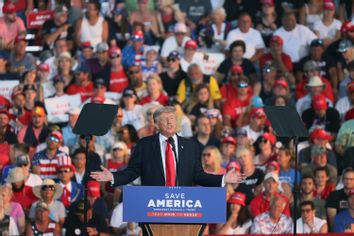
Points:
[(181, 158), (156, 151)]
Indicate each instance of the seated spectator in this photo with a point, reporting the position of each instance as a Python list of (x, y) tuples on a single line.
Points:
[(60, 46), (228, 150), (79, 161), (82, 84), (86, 51), (308, 223), (42, 223), (328, 27), (269, 75), (8, 224), (136, 82), (151, 65), (257, 119), (266, 21), (280, 89), (118, 79), (203, 134), (239, 221), (345, 137), (11, 26), (11, 208), (323, 187), (155, 91), (92, 26), (266, 144), (174, 74), (319, 159), (190, 55), (253, 39), (320, 137), (338, 200), (320, 115), (235, 111), (346, 50), (273, 221), (69, 138), (315, 86), (186, 88), (347, 102), (184, 124), (261, 203), (202, 102), (253, 176), (133, 53), (96, 225), (6, 135), (49, 192), (211, 160), (307, 193), (95, 199), (343, 221), (174, 42), (343, 85), (72, 191), (236, 58), (287, 173), (148, 111), (100, 64), (296, 37), (66, 65)]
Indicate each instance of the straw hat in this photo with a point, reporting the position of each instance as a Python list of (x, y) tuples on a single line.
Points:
[(48, 182), (315, 81), (15, 175), (65, 55)]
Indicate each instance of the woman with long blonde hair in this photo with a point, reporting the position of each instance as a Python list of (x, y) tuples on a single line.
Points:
[(211, 160)]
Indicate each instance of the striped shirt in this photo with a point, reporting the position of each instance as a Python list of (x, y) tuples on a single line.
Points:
[(48, 166)]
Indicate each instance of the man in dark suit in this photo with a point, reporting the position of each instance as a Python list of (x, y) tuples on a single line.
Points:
[(150, 160)]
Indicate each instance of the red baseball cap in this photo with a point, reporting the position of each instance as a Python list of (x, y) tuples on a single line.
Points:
[(277, 39), (237, 198), (268, 2), (258, 112), (274, 164), (236, 69), (137, 36), (319, 133), (20, 38), (233, 164), (4, 103), (229, 139), (350, 86), (86, 44), (43, 67), (347, 26), (9, 8), (93, 189), (281, 82), (270, 137), (319, 102), (191, 44), (56, 134), (329, 5), (114, 52)]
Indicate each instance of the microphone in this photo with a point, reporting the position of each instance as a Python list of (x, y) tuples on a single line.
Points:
[(172, 142)]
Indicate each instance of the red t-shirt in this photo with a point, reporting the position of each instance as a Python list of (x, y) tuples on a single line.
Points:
[(229, 92), (162, 99), (118, 81), (234, 108), (326, 191), (113, 166), (25, 197), (269, 57), (260, 204), (301, 90), (84, 91)]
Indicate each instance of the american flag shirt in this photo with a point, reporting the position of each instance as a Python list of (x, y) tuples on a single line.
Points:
[(48, 166)]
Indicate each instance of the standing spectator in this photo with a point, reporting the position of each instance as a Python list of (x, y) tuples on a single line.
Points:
[(338, 200), (57, 28), (118, 79), (174, 74), (19, 60), (253, 39), (44, 163), (344, 220), (296, 37), (239, 221), (175, 42), (273, 221), (11, 26), (60, 46), (49, 192), (92, 27), (308, 223)]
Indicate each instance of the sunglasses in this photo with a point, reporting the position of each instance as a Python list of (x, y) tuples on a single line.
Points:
[(64, 171), (117, 149), (306, 210), (171, 59), (54, 139), (206, 154), (131, 72), (149, 113), (115, 55), (50, 187), (235, 74), (22, 165), (242, 85)]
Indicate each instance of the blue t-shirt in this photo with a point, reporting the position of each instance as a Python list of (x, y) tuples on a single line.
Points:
[(289, 177), (342, 221)]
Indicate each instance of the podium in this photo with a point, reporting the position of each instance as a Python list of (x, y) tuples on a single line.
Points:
[(174, 210)]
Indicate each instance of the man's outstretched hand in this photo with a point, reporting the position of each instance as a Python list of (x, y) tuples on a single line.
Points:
[(233, 177), (102, 176)]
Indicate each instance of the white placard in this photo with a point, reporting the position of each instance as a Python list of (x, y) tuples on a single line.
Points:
[(48, 89), (58, 107), (114, 96), (6, 87), (211, 62)]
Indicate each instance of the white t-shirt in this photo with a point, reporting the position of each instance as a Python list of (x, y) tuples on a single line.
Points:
[(343, 105), (327, 31), (243, 229), (117, 217), (197, 59), (134, 117), (251, 134), (170, 45), (252, 39), (305, 229), (296, 42), (33, 180)]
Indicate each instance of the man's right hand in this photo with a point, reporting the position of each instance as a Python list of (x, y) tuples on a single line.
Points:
[(102, 176)]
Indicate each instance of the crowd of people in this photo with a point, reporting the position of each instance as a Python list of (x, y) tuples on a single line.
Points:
[(218, 63)]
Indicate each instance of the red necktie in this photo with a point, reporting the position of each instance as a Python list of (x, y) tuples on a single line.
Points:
[(170, 166), (65, 197)]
